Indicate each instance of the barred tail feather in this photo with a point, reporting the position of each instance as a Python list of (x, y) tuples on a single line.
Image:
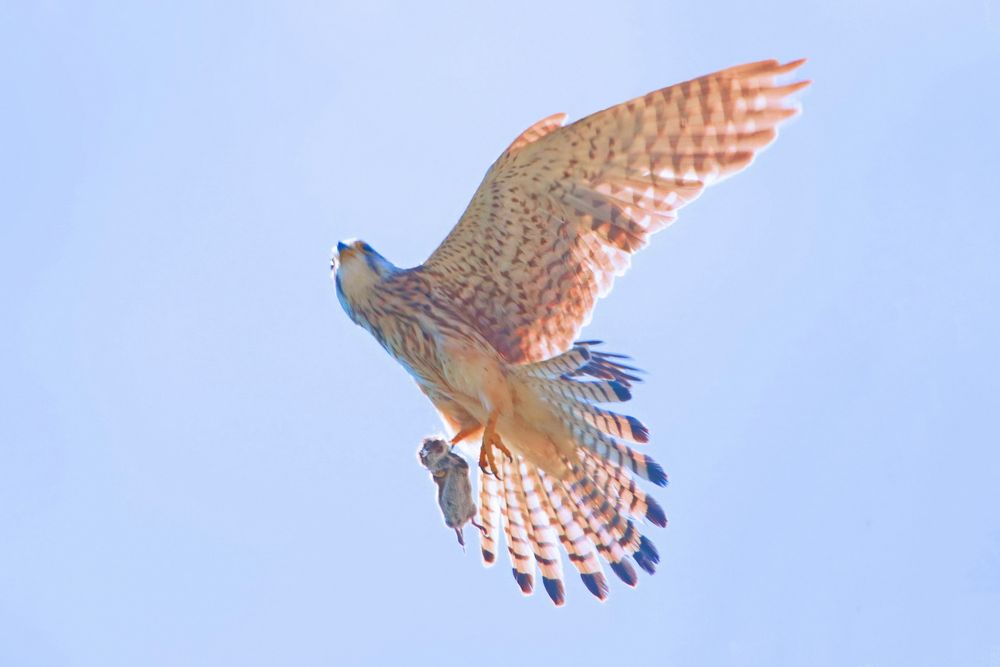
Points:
[(609, 547), (618, 454), (616, 482), (489, 517), (610, 423), (613, 512), (560, 491), (572, 536), (567, 362), (541, 535), (608, 509), (606, 366), (563, 390), (581, 361), (515, 530)]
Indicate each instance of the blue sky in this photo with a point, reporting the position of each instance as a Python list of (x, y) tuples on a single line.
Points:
[(202, 462)]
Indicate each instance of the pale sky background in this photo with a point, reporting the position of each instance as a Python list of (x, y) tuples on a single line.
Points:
[(203, 462)]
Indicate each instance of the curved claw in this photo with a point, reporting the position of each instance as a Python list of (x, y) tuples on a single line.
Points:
[(487, 459), (487, 462)]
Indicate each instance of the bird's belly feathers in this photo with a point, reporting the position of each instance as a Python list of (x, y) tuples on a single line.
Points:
[(485, 384), (449, 358), (453, 360), (410, 342)]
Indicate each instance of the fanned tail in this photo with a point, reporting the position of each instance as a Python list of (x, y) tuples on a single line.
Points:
[(591, 510)]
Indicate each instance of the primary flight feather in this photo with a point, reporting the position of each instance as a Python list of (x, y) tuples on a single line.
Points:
[(486, 326)]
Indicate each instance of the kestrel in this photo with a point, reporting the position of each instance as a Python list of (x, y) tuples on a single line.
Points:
[(486, 326)]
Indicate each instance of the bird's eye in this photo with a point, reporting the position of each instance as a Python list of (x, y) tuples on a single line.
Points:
[(365, 247)]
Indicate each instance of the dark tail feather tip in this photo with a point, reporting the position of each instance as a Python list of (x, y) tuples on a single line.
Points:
[(655, 513), (656, 474), (625, 572), (596, 584), (488, 556), (647, 556), (645, 564), (525, 581), (621, 391), (647, 547), (554, 587), (639, 430)]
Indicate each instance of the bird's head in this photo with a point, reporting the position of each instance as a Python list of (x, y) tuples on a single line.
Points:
[(356, 268)]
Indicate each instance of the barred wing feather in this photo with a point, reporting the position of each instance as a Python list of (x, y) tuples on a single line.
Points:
[(563, 209)]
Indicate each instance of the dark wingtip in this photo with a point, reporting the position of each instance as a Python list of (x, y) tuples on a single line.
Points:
[(625, 572), (596, 584), (488, 557), (554, 587), (656, 474), (525, 581), (647, 556), (621, 391), (655, 513), (639, 430)]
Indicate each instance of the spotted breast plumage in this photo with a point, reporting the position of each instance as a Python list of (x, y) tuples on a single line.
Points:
[(486, 326)]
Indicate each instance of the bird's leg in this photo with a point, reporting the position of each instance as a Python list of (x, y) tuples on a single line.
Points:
[(466, 433), (490, 440), (482, 529)]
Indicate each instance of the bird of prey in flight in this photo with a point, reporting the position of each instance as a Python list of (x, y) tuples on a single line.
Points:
[(488, 326)]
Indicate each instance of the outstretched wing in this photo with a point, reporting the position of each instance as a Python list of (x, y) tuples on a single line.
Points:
[(562, 210)]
